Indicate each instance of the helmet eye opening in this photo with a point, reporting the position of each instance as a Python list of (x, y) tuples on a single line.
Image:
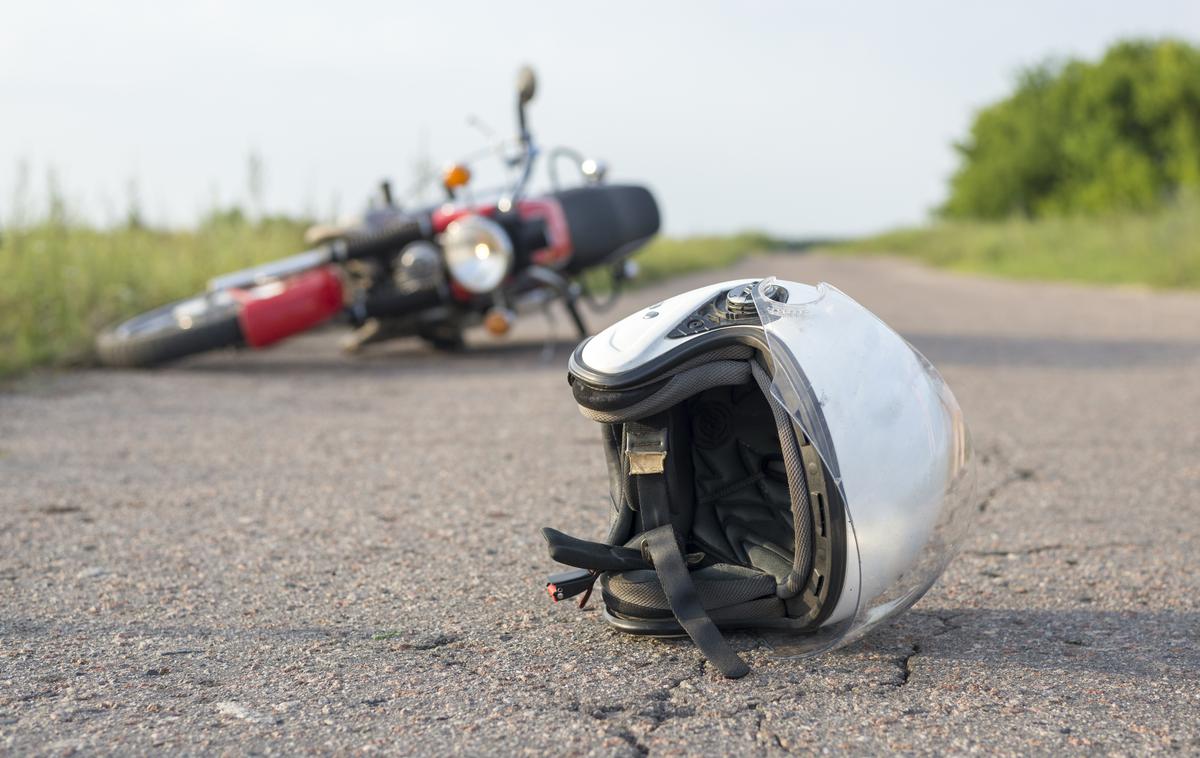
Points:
[(739, 496)]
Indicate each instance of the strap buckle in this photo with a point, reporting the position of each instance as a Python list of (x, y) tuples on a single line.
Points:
[(645, 448), (570, 583)]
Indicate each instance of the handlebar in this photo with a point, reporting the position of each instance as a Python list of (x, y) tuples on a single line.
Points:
[(357, 244), (364, 244), (526, 87)]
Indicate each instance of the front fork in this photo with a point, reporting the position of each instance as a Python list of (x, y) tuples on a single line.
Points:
[(566, 290)]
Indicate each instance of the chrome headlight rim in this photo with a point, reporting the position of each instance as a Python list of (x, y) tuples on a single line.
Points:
[(478, 252)]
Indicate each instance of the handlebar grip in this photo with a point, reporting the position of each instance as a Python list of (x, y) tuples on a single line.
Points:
[(367, 244)]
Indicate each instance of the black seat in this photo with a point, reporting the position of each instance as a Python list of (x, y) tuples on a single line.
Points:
[(607, 222)]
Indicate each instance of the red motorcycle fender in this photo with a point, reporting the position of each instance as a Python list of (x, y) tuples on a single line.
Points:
[(558, 235), (274, 311)]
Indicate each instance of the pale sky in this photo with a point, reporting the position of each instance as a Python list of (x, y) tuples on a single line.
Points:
[(795, 118)]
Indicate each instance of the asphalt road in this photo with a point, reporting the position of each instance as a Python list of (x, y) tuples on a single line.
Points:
[(296, 551)]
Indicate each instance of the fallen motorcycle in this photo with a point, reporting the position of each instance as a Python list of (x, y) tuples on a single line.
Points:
[(429, 273)]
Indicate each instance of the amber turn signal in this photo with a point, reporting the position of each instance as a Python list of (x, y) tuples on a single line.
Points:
[(456, 176), (498, 321)]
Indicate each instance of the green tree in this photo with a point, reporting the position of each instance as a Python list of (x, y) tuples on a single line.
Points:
[(1079, 137)]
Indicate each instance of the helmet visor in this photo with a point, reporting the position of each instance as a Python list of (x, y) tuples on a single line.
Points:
[(892, 438)]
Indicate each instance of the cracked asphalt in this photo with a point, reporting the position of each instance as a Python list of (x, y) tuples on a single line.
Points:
[(299, 552)]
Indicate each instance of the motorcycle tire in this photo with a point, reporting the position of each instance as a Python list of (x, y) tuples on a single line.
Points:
[(444, 340), (174, 331)]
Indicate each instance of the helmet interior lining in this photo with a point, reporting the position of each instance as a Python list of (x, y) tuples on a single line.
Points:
[(738, 492)]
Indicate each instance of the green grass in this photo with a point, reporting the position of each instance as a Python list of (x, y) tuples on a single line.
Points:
[(61, 283), (1160, 249), (666, 256)]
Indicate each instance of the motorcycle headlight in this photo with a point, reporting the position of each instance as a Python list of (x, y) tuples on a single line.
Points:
[(478, 253)]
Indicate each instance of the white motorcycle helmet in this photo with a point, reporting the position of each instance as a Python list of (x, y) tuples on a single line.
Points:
[(778, 459)]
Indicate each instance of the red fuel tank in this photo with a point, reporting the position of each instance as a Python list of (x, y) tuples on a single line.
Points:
[(274, 311)]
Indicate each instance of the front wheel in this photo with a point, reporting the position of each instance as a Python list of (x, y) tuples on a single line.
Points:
[(446, 338), (187, 327)]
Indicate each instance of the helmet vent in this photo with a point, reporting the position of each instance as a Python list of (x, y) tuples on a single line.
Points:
[(820, 498)]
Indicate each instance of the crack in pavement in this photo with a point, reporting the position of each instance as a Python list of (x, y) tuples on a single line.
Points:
[(633, 741), (656, 707), (762, 735), (905, 663), (1019, 474)]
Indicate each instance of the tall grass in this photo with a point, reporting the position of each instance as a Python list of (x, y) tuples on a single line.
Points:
[(61, 282), (1161, 249)]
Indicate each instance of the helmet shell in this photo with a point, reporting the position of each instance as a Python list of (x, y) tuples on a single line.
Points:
[(888, 429)]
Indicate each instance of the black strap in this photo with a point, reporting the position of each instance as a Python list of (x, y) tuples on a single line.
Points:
[(597, 556), (653, 501), (677, 585), (662, 543)]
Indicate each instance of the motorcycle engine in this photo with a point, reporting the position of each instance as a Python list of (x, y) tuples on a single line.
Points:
[(418, 268)]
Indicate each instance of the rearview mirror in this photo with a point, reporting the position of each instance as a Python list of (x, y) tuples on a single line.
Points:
[(526, 84)]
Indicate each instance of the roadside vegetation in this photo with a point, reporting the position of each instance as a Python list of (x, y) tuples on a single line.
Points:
[(670, 256), (1089, 171), (1158, 248), (61, 282)]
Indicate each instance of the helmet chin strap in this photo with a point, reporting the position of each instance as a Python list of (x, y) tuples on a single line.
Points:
[(646, 447)]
